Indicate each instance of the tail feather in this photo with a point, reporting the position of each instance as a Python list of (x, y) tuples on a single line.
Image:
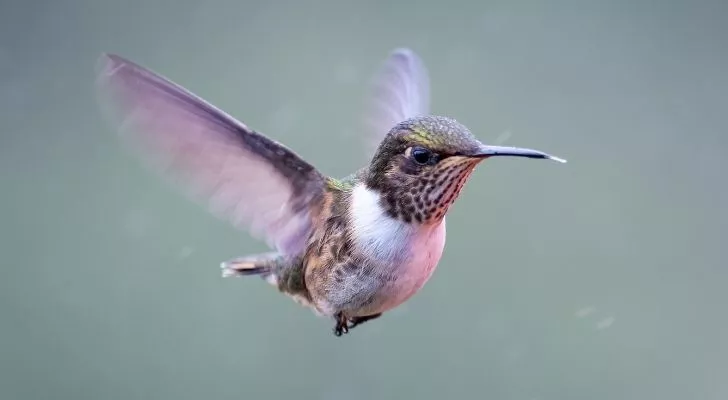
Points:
[(257, 264)]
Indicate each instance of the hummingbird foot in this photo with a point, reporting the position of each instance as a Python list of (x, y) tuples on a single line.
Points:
[(344, 324), (360, 320)]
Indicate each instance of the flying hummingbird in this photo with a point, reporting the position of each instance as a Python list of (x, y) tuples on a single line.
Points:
[(350, 248)]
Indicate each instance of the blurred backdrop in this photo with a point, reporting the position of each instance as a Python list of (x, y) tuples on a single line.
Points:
[(604, 278)]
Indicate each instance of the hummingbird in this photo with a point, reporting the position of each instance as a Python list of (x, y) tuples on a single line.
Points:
[(349, 249)]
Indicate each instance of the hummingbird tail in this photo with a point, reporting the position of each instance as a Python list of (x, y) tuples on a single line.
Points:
[(258, 264)]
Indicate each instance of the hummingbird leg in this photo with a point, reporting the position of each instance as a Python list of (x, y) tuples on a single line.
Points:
[(360, 320), (342, 324)]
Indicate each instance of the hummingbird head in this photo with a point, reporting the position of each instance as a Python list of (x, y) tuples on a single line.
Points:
[(422, 164)]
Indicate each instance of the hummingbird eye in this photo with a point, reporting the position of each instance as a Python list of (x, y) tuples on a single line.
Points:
[(423, 156)]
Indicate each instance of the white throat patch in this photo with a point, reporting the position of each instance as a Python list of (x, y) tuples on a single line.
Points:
[(379, 235)]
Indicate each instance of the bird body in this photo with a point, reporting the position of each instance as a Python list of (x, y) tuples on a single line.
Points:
[(351, 248), (378, 261), (360, 261)]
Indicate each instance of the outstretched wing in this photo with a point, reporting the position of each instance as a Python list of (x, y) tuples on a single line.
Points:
[(400, 90), (243, 176)]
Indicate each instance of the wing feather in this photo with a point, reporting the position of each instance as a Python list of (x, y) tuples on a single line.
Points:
[(241, 175), (399, 90)]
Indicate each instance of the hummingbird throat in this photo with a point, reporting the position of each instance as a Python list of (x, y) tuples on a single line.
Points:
[(426, 198)]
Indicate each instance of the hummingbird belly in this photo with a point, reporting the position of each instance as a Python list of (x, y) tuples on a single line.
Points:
[(392, 260), (405, 277)]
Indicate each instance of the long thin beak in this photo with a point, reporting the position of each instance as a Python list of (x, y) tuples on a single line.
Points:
[(499, 151)]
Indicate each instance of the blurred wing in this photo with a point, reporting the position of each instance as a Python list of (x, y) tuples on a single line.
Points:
[(240, 174), (400, 90)]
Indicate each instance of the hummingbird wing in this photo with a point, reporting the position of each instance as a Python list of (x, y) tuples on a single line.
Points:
[(399, 90), (242, 176)]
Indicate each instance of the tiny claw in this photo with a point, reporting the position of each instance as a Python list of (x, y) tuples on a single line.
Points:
[(340, 329)]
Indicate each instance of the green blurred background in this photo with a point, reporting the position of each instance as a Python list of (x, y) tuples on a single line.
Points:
[(604, 278)]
